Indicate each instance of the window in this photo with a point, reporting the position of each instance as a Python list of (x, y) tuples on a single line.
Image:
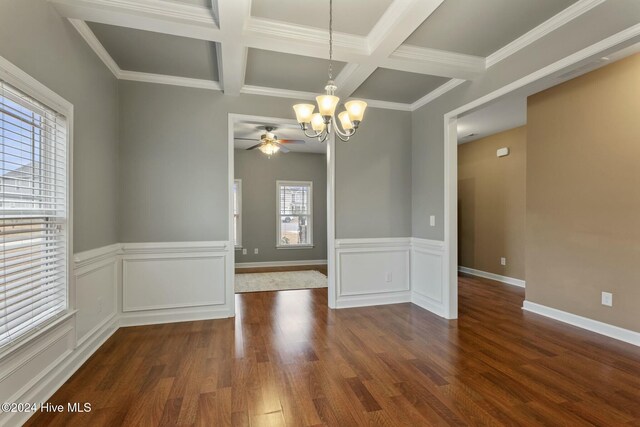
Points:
[(33, 214), (237, 212), (295, 214)]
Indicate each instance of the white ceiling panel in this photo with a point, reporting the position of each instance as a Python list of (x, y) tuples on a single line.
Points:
[(480, 28)]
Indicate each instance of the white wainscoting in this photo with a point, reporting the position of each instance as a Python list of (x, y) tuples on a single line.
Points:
[(173, 282), (281, 263), (372, 271), (34, 371), (427, 275)]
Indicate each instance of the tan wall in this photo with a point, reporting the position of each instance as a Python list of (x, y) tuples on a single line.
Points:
[(583, 195), (491, 203)]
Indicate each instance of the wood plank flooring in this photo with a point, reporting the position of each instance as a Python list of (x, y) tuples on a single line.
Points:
[(286, 359)]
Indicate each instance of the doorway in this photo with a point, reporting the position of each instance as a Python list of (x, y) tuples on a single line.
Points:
[(281, 207)]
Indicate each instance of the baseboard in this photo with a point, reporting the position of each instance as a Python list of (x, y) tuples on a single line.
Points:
[(281, 263), (352, 301), (189, 314), (492, 276), (596, 326), (57, 376), (428, 304)]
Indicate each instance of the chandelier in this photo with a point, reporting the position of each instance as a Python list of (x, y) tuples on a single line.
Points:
[(324, 122)]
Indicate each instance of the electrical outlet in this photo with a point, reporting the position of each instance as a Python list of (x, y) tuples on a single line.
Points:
[(100, 305), (607, 299), (503, 261), (388, 277), (255, 251), (432, 220), (244, 251)]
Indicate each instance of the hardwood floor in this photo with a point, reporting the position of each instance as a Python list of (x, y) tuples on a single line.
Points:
[(286, 359)]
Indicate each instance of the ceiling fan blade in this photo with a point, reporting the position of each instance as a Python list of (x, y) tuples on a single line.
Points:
[(246, 139), (255, 146), (283, 148), (291, 141)]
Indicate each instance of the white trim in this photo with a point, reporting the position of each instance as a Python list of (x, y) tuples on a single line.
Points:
[(237, 236), (435, 62), (168, 17), (436, 93), (303, 262), (373, 243), (232, 54), (175, 315), (386, 105), (551, 24), (138, 76), (601, 328), (450, 286), (95, 44), (174, 247), (93, 255), (278, 93), (366, 300), (428, 304), (492, 276)]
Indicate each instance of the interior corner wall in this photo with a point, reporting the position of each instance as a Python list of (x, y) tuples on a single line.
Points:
[(492, 204), (427, 156), (259, 205), (583, 203), (173, 163), (46, 46)]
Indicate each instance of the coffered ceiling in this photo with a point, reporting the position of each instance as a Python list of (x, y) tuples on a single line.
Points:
[(397, 54)]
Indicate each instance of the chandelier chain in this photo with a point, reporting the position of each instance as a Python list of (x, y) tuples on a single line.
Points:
[(330, 39)]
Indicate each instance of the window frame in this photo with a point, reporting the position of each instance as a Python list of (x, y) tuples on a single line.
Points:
[(279, 245), (237, 198), (23, 82)]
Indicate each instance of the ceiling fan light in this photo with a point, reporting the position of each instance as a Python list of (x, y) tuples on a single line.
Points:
[(317, 122), (304, 112), (345, 120), (356, 109), (269, 149), (327, 104)]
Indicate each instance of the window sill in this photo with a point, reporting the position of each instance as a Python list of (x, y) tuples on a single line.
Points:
[(294, 246), (36, 333)]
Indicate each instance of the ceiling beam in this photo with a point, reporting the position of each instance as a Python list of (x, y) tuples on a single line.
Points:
[(232, 56), (397, 23), (150, 15)]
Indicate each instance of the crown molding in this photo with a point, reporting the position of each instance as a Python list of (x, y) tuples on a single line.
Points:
[(150, 15), (278, 93), (550, 25), (386, 105), (137, 76), (95, 44), (436, 93)]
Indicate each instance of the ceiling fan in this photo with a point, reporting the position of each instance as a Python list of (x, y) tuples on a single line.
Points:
[(269, 142)]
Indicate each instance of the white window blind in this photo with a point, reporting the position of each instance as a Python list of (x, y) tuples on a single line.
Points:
[(33, 214), (295, 213)]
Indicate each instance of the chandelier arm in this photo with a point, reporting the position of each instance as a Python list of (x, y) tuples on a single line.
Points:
[(343, 133), (315, 135), (343, 138)]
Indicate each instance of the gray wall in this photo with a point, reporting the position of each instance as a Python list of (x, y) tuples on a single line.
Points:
[(174, 165), (259, 175), (43, 44), (428, 124)]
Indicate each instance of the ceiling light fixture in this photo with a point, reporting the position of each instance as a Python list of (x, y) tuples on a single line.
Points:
[(269, 148), (324, 122)]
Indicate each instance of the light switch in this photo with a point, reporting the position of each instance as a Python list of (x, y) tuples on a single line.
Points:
[(255, 251), (244, 251), (607, 299), (432, 220)]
